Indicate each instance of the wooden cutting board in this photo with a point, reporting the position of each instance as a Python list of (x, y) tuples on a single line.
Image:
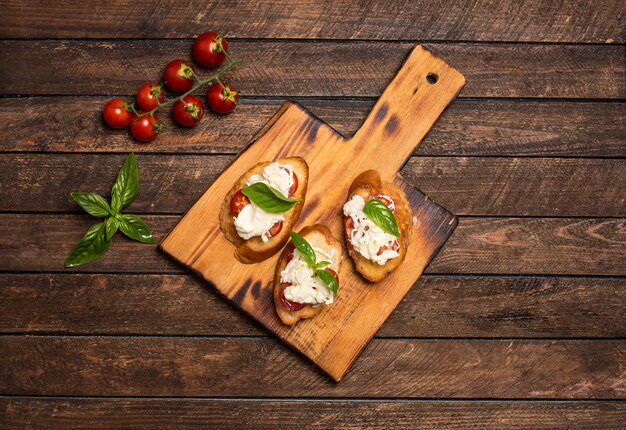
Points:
[(405, 112)]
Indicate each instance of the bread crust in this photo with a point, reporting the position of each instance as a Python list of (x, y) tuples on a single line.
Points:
[(369, 183), (254, 249), (308, 311)]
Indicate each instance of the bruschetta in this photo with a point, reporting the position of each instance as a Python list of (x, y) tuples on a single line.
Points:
[(262, 207), (306, 281), (377, 221)]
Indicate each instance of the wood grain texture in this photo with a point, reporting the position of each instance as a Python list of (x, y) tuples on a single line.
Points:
[(209, 367), (295, 69), (466, 186), (516, 246), (466, 128), (563, 21), (45, 413), (403, 115), (448, 306)]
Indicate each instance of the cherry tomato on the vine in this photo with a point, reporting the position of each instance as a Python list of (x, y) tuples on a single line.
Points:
[(222, 98), (209, 49), (146, 128), (149, 95), (189, 111), (116, 114), (179, 76)]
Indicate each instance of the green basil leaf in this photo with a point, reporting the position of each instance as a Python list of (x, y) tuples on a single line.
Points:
[(111, 225), (268, 198), (380, 215), (94, 204), (93, 244), (134, 227), (304, 248), (322, 264), (328, 279), (126, 185)]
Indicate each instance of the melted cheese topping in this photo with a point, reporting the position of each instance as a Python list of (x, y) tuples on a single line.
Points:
[(306, 287), (367, 238), (253, 221)]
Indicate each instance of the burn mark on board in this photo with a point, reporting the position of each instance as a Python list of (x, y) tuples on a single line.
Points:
[(381, 113), (314, 128), (241, 293), (392, 125), (256, 289)]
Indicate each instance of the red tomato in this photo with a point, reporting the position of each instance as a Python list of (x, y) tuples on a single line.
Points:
[(276, 228), (237, 202), (287, 304), (189, 111), (394, 247), (179, 76), (209, 49), (116, 114), (145, 129), (149, 95), (349, 225), (387, 200), (332, 272), (223, 99), (290, 251), (294, 178)]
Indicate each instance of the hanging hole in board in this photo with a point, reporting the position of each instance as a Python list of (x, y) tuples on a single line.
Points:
[(432, 78)]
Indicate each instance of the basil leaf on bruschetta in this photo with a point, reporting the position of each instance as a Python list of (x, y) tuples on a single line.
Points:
[(382, 216), (328, 279), (304, 248), (268, 198)]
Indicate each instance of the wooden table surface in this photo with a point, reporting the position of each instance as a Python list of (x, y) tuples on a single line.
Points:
[(519, 321)]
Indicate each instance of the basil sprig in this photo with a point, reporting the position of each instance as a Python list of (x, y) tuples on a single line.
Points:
[(382, 216), (98, 238), (308, 255), (268, 198)]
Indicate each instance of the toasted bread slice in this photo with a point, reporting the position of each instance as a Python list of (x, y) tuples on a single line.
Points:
[(318, 236), (254, 249), (368, 184)]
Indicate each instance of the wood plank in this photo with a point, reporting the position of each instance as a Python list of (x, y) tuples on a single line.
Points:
[(465, 186), (485, 307), (85, 413), (576, 21), (226, 367), (550, 246), (467, 127), (274, 68)]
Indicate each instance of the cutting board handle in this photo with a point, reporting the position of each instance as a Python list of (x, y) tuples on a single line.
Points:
[(409, 106)]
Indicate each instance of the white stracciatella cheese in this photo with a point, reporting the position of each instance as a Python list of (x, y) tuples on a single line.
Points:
[(306, 287), (253, 221), (367, 238)]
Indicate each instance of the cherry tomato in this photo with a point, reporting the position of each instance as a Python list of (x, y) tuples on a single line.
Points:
[(145, 129), (294, 178), (395, 246), (209, 49), (388, 201), (149, 95), (288, 304), (237, 202), (332, 272), (179, 76), (189, 112), (290, 251), (116, 114), (276, 228), (223, 99)]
